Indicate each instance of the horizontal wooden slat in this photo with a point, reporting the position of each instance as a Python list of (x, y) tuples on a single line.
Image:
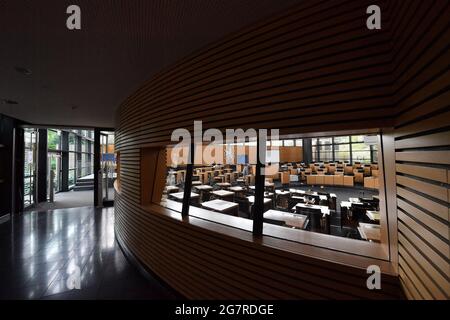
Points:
[(430, 140), (438, 157), (436, 174), (434, 207), (440, 227), (435, 191)]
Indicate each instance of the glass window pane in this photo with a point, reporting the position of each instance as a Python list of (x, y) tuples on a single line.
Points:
[(276, 143), (361, 156), (83, 145), (71, 177), (314, 153), (288, 143), (54, 139), (72, 142), (342, 152), (357, 138), (72, 160), (360, 147), (344, 139), (299, 143), (325, 141)]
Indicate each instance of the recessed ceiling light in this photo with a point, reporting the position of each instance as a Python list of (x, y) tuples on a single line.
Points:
[(7, 101), (24, 71)]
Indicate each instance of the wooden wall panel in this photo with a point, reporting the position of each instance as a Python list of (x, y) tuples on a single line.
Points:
[(422, 130), (314, 68), (301, 69)]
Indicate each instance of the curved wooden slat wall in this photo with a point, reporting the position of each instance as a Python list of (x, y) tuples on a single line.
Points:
[(421, 91), (313, 68)]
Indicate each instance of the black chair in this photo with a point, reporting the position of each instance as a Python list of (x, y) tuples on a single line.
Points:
[(370, 202), (244, 206), (357, 212), (292, 202), (324, 202), (315, 218)]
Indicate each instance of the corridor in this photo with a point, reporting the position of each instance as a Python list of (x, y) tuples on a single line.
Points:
[(39, 251)]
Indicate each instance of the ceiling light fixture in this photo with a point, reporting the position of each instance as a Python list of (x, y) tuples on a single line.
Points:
[(24, 71)]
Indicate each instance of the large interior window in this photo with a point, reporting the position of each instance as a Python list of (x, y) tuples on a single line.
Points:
[(344, 149), (334, 196)]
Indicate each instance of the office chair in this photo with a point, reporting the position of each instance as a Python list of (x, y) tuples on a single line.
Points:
[(244, 206), (357, 212), (315, 217)]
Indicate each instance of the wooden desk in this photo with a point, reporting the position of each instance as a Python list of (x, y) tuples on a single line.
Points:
[(267, 202), (373, 215), (236, 189), (180, 195), (171, 189), (224, 184), (229, 177), (349, 181), (180, 176), (267, 185), (370, 232), (251, 199), (297, 191), (203, 187), (355, 200), (290, 219), (346, 204), (222, 206), (223, 194), (325, 210)]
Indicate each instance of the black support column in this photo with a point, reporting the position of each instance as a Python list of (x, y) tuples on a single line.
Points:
[(65, 160), (41, 173), (97, 200), (258, 206), (6, 163), (188, 182), (18, 169), (307, 150)]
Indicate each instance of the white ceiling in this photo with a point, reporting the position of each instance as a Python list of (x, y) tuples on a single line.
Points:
[(79, 78)]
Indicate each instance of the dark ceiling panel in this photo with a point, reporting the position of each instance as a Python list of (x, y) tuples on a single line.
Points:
[(81, 77)]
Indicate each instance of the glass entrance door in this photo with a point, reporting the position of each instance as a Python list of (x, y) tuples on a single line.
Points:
[(108, 165)]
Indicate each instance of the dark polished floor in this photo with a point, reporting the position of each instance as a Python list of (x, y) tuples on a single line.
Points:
[(39, 251)]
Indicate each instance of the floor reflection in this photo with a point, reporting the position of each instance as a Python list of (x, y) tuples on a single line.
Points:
[(40, 252)]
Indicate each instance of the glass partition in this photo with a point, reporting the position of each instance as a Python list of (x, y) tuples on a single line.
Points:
[(337, 195)]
